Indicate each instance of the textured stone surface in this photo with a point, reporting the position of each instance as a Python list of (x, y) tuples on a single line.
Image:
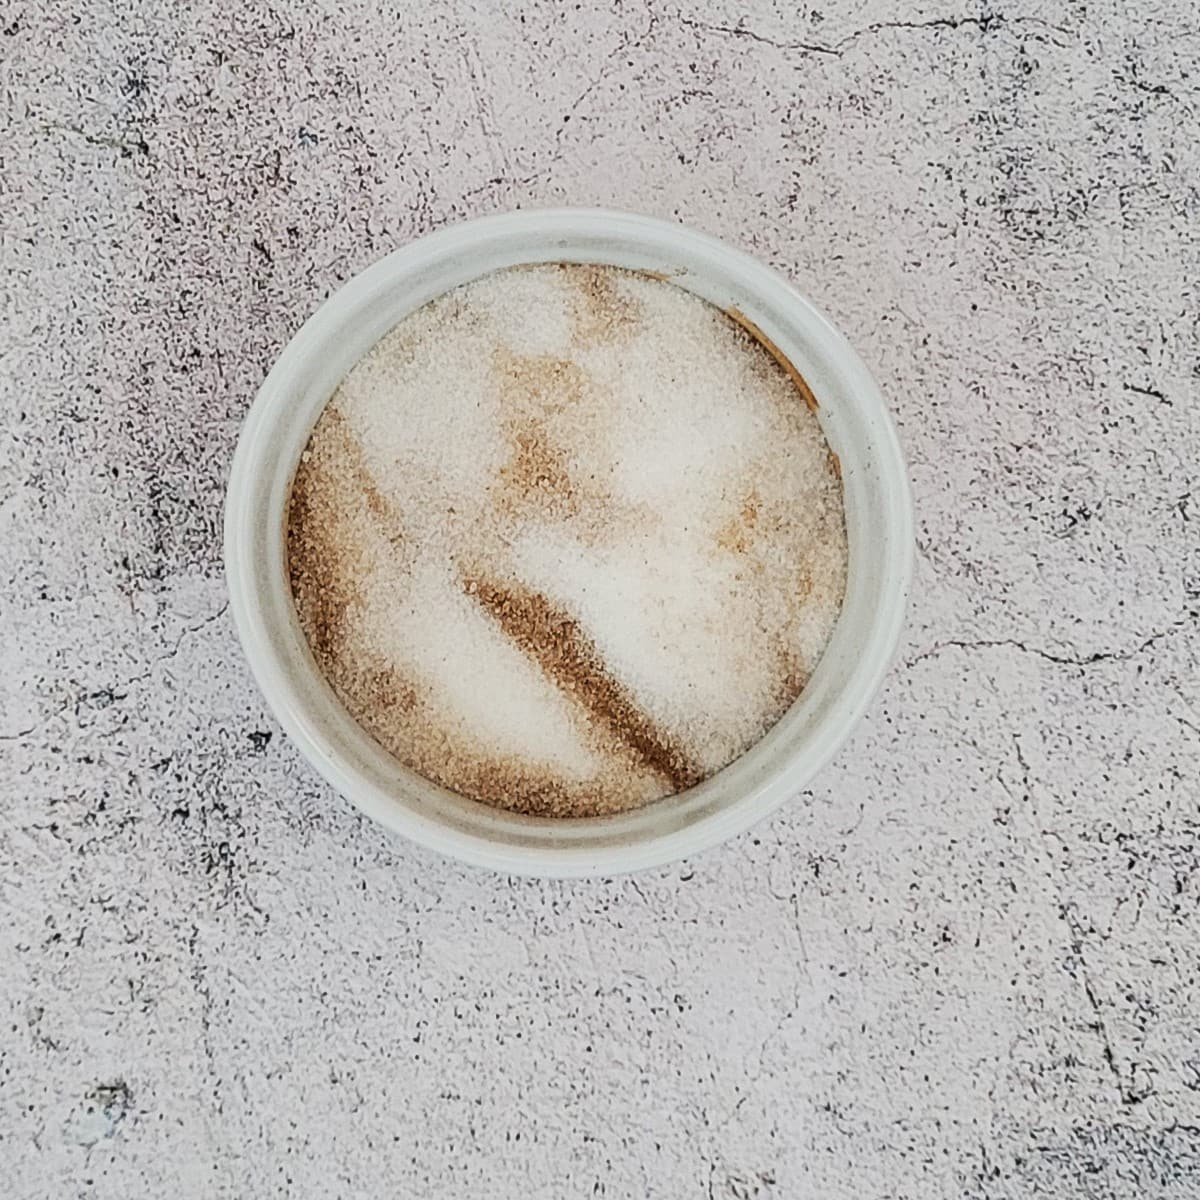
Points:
[(964, 964)]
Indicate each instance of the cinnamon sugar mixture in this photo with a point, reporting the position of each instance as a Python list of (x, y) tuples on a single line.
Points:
[(568, 540)]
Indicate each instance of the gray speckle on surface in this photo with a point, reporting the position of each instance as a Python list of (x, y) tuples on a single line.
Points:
[(963, 964)]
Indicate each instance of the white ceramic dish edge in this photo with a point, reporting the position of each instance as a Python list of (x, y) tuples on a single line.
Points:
[(879, 523)]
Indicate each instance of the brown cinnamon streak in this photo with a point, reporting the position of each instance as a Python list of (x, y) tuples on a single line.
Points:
[(565, 653), (801, 384)]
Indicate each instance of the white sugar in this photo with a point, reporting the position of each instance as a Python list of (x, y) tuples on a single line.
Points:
[(568, 539)]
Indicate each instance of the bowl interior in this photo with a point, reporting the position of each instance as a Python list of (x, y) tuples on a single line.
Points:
[(878, 519)]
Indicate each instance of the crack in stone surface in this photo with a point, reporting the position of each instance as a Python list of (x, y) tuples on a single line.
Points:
[(1152, 393), (20, 734), (984, 23), (1064, 660), (1128, 1095), (127, 148), (627, 43)]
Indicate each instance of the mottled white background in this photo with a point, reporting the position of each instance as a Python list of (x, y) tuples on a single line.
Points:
[(965, 964)]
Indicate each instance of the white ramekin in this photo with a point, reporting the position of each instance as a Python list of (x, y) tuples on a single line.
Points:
[(878, 516)]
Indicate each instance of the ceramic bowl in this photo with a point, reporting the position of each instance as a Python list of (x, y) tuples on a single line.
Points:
[(878, 519)]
